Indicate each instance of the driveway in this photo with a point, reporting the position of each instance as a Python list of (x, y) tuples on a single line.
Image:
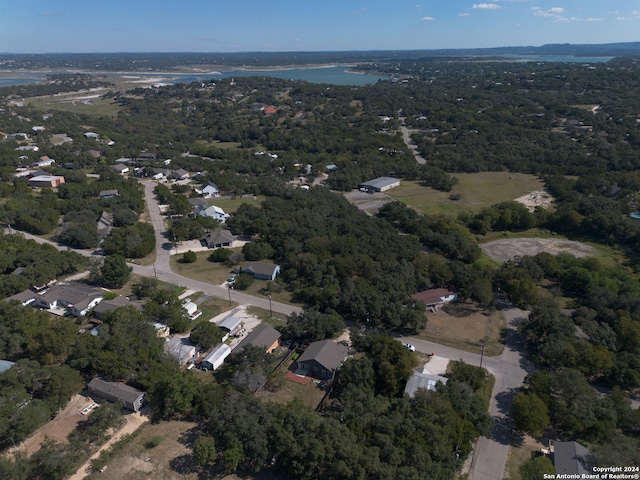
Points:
[(509, 370)]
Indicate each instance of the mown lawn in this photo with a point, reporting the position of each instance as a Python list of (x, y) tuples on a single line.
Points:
[(476, 190)]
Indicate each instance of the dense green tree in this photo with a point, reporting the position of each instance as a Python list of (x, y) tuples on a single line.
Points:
[(205, 335), (189, 256), (529, 413), (115, 272), (204, 450), (537, 468)]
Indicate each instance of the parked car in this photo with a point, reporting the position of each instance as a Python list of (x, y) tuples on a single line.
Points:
[(410, 347), (232, 278)]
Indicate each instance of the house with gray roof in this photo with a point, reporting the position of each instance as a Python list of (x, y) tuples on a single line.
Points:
[(76, 299), (264, 336), (181, 349), (116, 392), (261, 270), (25, 297), (570, 458), (322, 359), (423, 380), (219, 238), (101, 310)]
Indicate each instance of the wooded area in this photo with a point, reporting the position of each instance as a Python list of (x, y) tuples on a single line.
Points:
[(574, 125)]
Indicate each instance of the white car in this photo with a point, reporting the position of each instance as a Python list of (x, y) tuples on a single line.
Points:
[(410, 347)]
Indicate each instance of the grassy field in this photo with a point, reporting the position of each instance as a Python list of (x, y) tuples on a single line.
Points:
[(477, 190), (77, 102), (286, 391), (202, 269), (230, 206), (466, 326), (519, 455), (216, 273)]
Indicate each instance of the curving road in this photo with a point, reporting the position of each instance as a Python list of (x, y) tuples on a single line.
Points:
[(509, 370)]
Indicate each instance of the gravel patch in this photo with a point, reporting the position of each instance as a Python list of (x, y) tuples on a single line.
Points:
[(508, 249)]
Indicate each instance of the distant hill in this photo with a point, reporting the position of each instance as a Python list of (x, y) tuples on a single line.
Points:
[(153, 61)]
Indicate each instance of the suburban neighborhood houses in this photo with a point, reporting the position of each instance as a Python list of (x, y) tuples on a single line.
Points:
[(428, 273)]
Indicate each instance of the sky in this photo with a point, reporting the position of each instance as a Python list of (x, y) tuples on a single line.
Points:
[(85, 26)]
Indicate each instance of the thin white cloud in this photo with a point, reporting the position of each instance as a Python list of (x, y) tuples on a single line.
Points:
[(486, 6), (553, 12), (427, 19), (360, 12), (588, 19), (463, 14), (51, 14)]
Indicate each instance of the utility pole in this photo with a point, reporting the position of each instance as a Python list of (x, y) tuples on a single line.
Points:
[(155, 274), (229, 290), (481, 354), (270, 309)]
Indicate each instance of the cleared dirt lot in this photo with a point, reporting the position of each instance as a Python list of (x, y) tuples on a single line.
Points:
[(509, 248), (62, 425), (466, 326)]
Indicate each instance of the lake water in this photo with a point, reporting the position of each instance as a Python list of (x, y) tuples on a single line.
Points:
[(331, 75)]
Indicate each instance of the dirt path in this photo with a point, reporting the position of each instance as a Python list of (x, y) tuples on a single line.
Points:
[(133, 422)]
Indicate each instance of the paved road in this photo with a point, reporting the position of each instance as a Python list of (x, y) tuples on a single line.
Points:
[(163, 270), (409, 143), (509, 370)]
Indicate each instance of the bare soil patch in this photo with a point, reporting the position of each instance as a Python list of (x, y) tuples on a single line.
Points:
[(538, 198), (62, 425), (509, 248)]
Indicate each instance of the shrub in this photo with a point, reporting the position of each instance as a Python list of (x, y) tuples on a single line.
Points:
[(189, 257)]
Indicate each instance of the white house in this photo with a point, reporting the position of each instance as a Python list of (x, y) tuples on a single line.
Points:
[(180, 349), (191, 308), (209, 190), (214, 212)]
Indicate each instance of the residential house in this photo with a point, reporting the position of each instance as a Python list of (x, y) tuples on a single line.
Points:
[(44, 161), (264, 336), (181, 349), (219, 238), (108, 194), (332, 167), (121, 168), (38, 128), (322, 359), (92, 135), (197, 204), (380, 184), (570, 459), (423, 379), (191, 308), (25, 297), (180, 174), (104, 225), (269, 110), (214, 212), (101, 310), (209, 190), (28, 148), (76, 299), (436, 297), (216, 357), (261, 271), (95, 153), (6, 365), (116, 392), (40, 181), (162, 330)]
